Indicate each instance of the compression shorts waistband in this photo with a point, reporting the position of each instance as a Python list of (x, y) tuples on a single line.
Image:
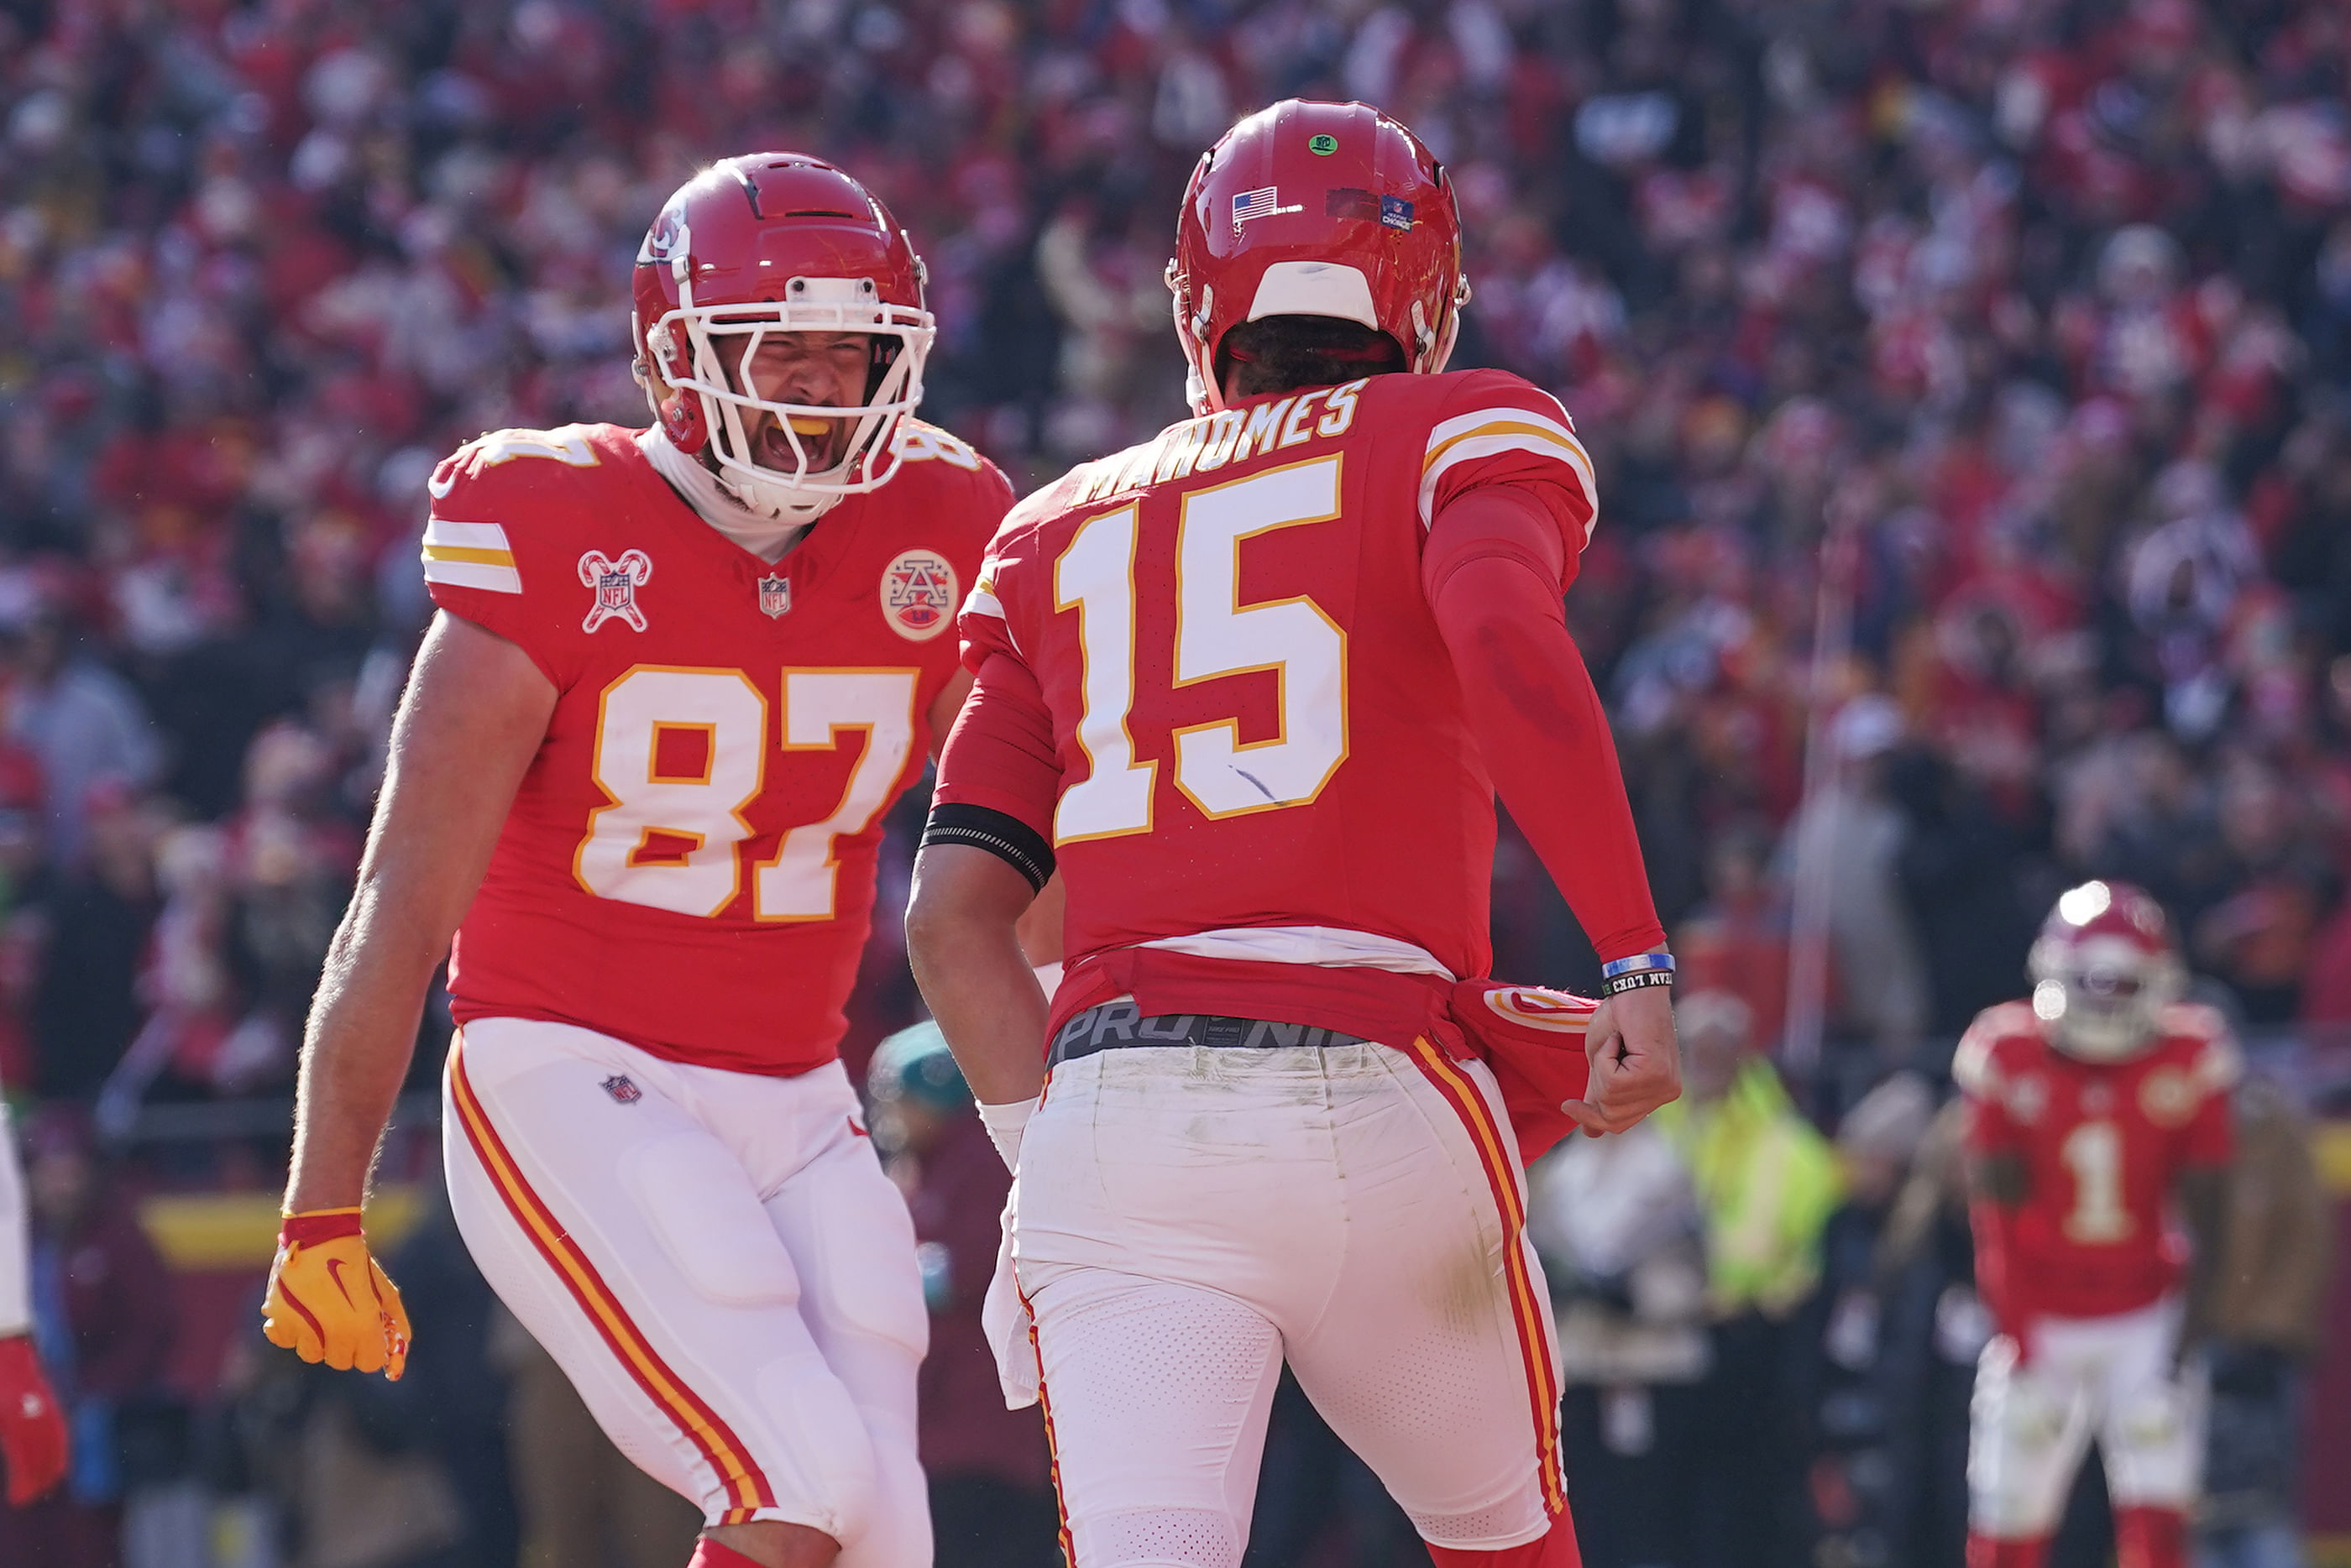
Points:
[(1118, 1023)]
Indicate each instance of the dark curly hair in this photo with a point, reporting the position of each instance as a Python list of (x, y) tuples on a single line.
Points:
[(1282, 353)]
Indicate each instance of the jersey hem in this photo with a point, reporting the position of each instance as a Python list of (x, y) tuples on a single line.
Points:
[(464, 1014)]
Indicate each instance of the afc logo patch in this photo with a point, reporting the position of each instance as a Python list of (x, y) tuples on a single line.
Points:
[(616, 584), (623, 1089), (918, 595)]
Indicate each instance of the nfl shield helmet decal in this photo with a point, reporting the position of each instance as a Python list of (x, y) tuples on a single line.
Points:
[(918, 595)]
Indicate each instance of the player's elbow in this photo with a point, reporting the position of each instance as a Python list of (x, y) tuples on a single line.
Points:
[(963, 901), (932, 924)]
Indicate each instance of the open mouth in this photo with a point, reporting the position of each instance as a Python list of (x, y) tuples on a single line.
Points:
[(819, 438)]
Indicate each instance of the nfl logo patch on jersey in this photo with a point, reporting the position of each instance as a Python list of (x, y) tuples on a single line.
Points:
[(775, 595), (616, 584), (918, 595), (623, 1089)]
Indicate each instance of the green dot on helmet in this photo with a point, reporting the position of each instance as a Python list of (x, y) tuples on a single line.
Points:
[(1323, 145)]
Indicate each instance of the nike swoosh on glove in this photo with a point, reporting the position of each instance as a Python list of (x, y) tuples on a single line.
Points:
[(32, 1427), (331, 1301)]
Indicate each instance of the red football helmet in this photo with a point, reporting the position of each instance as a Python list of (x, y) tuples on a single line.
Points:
[(776, 242), (1317, 209), (2103, 970)]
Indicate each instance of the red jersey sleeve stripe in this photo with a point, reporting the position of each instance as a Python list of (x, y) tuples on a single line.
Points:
[(1489, 432)]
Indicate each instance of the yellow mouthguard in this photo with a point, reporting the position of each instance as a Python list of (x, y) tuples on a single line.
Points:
[(808, 427)]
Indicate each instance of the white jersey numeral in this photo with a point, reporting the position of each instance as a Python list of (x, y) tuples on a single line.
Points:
[(1215, 636), (1095, 575), (818, 704), (2093, 1152), (668, 837)]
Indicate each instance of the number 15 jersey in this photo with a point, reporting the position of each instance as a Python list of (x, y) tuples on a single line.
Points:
[(688, 863), (1227, 625)]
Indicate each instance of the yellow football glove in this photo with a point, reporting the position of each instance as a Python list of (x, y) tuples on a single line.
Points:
[(330, 1301)]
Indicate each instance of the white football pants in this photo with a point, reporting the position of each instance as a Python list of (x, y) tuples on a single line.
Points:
[(716, 1260), (2103, 1377), (1188, 1216)]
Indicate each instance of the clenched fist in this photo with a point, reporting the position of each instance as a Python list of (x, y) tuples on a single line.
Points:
[(329, 1299), (1634, 1065)]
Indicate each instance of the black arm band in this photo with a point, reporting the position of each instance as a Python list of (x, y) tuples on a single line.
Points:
[(1008, 838), (1638, 980)]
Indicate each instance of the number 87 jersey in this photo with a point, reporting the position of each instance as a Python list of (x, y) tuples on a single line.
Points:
[(688, 863), (1254, 719)]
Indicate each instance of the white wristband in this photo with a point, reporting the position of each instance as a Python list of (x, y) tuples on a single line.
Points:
[(1005, 1125)]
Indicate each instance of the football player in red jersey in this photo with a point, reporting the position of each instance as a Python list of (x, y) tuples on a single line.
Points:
[(2098, 1123), (677, 676), (1253, 687)]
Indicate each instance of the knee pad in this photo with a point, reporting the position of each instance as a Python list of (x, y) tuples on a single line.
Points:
[(811, 1423), (1168, 1537), (2154, 1418), (2155, 1449), (2018, 1468), (865, 1268)]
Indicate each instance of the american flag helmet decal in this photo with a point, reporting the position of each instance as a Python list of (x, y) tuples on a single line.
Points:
[(1265, 201)]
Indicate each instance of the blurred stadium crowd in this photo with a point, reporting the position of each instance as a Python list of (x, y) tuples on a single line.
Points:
[(1969, 384)]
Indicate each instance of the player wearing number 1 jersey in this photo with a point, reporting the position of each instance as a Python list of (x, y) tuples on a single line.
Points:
[(2098, 1123), (677, 676), (1253, 687)]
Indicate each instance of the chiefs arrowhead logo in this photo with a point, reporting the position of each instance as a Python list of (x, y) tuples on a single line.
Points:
[(1539, 1007)]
